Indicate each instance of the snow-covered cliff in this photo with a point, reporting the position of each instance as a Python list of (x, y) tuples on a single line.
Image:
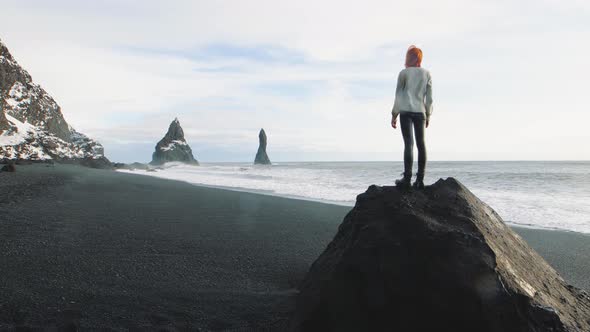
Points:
[(32, 126)]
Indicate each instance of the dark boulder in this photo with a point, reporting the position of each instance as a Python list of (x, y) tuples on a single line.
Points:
[(173, 147), (120, 165), (100, 163), (433, 260), (131, 167), (10, 167), (261, 156)]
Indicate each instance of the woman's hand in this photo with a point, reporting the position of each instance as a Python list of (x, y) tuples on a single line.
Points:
[(427, 122), (394, 122)]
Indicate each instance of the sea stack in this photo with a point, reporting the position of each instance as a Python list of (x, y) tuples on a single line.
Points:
[(261, 156), (437, 259), (32, 126), (173, 147)]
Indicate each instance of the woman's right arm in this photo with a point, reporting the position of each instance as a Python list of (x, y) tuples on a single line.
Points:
[(428, 99), (398, 89)]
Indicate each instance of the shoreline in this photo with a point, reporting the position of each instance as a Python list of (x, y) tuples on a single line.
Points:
[(103, 249), (245, 190), (321, 201)]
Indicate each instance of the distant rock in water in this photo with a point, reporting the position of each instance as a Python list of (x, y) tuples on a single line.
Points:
[(173, 147), (132, 166), (261, 156), (32, 126), (433, 260)]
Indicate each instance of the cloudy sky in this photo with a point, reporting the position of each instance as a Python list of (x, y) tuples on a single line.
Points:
[(510, 77)]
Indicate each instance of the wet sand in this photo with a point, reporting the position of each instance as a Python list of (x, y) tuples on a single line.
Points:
[(99, 249)]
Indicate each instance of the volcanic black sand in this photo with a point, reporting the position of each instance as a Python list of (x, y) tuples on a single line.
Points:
[(99, 249)]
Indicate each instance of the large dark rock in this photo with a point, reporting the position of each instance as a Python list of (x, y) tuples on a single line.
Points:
[(261, 156), (173, 147), (433, 260), (31, 121), (100, 163)]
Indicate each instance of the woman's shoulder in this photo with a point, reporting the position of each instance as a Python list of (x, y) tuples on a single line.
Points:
[(415, 71), (425, 71), (421, 71)]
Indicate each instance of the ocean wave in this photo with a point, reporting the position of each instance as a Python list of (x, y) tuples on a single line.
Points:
[(551, 195)]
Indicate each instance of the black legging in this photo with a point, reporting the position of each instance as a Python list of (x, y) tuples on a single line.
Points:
[(418, 121)]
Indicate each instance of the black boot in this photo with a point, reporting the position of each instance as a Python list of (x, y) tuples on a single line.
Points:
[(419, 183), (405, 182)]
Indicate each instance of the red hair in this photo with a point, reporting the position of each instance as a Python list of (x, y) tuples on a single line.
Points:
[(413, 57)]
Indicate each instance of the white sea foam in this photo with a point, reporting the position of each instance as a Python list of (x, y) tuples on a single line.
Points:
[(552, 195)]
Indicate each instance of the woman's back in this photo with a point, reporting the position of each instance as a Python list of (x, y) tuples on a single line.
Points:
[(414, 91)]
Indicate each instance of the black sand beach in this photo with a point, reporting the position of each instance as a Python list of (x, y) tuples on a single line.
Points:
[(101, 249)]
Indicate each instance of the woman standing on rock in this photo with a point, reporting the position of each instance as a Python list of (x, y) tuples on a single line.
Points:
[(413, 104)]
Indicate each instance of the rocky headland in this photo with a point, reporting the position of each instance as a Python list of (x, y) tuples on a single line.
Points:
[(32, 126)]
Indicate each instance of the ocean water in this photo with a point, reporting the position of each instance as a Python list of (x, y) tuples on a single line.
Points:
[(552, 194)]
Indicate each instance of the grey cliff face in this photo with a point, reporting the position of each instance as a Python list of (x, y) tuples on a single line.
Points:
[(261, 156), (4, 125), (32, 126), (173, 147), (437, 259)]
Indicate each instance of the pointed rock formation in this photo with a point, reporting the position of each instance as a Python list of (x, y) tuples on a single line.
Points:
[(32, 126), (261, 156), (173, 147), (433, 260)]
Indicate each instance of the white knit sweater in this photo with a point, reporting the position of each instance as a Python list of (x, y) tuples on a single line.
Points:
[(413, 92)]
